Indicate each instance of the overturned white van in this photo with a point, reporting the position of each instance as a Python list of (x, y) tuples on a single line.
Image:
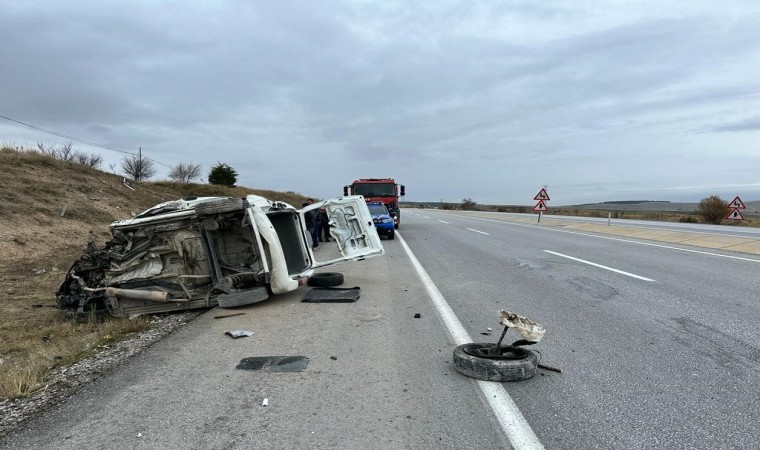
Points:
[(200, 252)]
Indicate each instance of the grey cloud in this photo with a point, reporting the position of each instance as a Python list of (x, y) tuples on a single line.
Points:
[(751, 125)]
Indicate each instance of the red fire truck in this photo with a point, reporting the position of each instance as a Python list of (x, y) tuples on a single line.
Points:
[(383, 190)]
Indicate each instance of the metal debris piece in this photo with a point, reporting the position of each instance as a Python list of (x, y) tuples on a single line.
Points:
[(274, 363), (553, 369), (332, 295), (528, 329), (234, 334), (223, 316), (265, 402)]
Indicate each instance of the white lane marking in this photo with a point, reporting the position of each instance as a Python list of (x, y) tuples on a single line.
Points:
[(427, 217), (519, 433), (623, 240), (481, 232), (443, 221), (601, 266)]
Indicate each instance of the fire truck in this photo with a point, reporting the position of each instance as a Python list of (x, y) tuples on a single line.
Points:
[(383, 190)]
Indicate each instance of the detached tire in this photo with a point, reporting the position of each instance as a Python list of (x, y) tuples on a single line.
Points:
[(515, 364), (326, 279), (219, 206)]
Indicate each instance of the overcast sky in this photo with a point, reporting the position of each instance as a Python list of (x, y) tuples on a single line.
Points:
[(489, 100)]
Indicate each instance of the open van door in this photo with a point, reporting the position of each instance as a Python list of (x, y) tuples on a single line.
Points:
[(351, 227)]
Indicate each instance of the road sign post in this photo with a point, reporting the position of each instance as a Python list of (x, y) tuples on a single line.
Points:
[(542, 198), (736, 204)]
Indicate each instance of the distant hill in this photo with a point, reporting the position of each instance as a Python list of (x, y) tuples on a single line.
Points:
[(753, 207)]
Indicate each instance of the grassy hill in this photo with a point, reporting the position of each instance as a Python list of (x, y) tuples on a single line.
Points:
[(49, 210)]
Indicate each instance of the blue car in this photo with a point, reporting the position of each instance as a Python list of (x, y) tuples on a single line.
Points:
[(382, 219)]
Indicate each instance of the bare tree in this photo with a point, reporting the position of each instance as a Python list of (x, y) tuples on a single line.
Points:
[(45, 149), (92, 160), (185, 172), (66, 152), (137, 167)]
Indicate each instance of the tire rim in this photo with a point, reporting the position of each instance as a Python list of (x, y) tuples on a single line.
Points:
[(490, 351)]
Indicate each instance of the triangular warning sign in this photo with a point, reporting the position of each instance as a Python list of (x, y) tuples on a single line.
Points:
[(734, 215), (540, 206), (736, 203), (542, 195)]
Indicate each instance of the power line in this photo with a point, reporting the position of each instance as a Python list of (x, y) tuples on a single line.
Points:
[(76, 139)]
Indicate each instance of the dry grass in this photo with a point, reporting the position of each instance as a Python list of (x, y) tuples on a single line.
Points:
[(50, 210)]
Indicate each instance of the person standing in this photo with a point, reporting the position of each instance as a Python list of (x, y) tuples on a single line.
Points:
[(323, 225), (311, 223)]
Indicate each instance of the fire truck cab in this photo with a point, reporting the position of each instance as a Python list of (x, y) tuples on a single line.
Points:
[(383, 190)]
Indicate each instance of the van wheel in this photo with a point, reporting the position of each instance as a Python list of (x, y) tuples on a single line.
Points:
[(508, 364), (392, 235), (219, 206), (326, 279)]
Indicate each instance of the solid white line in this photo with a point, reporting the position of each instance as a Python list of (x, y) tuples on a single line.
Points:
[(622, 240), (601, 266), (481, 232), (519, 433), (443, 221)]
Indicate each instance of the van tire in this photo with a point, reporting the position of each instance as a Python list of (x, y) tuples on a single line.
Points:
[(495, 369), (326, 279), (219, 206), (392, 235)]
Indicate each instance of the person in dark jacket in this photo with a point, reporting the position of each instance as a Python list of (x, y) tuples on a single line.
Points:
[(323, 226), (311, 223)]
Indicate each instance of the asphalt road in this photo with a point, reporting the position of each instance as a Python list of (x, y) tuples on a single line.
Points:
[(658, 348)]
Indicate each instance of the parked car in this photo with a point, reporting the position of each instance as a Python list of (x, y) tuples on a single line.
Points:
[(382, 219), (200, 252)]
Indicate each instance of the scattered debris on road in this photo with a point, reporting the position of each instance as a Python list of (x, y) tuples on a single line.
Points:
[(494, 362), (417, 315), (224, 316), (274, 363), (553, 369), (234, 334), (332, 295)]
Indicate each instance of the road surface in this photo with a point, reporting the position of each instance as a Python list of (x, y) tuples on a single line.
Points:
[(657, 344)]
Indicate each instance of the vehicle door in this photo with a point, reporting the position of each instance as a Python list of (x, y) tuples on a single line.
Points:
[(352, 229)]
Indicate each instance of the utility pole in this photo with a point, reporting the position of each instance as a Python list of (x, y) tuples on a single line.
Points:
[(139, 164)]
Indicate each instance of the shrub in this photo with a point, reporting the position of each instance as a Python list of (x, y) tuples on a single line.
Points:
[(713, 210), (468, 204), (222, 174)]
